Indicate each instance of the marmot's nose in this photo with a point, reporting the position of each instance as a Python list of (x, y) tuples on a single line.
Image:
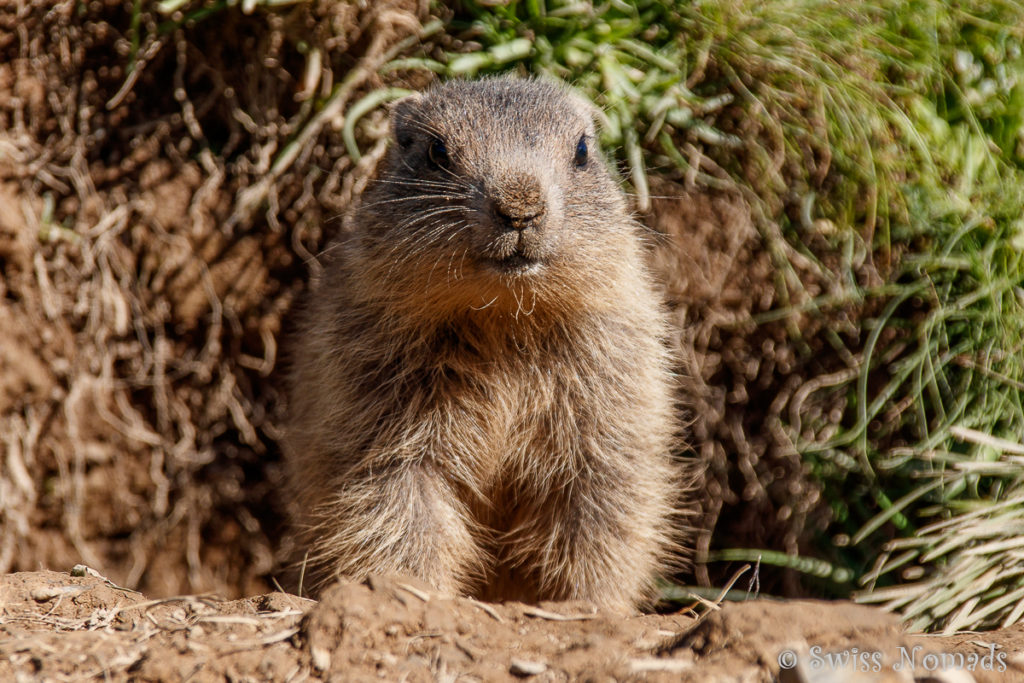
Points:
[(519, 203), (520, 218)]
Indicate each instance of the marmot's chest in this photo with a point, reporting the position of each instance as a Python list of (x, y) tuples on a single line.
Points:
[(506, 417)]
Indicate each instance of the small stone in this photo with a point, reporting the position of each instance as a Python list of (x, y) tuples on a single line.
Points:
[(46, 593), (524, 667), (321, 658), (80, 570)]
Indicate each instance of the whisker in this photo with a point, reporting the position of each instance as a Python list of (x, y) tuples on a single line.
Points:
[(433, 268), (421, 182), (431, 213), (431, 233), (486, 305), (451, 256), (413, 198)]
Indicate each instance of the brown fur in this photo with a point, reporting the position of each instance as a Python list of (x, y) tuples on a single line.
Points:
[(481, 393)]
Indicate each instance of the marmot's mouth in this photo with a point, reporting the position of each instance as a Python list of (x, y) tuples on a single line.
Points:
[(516, 263), (515, 254)]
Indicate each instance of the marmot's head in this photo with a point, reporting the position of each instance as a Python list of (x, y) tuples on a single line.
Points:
[(497, 186)]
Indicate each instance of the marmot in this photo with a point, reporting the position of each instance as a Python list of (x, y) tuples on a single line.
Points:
[(481, 392)]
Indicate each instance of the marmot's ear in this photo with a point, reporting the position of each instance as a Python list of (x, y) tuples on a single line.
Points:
[(403, 114)]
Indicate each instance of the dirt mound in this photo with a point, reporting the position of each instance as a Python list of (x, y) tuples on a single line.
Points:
[(58, 627)]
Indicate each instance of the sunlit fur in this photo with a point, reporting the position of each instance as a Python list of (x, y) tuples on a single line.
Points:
[(488, 406)]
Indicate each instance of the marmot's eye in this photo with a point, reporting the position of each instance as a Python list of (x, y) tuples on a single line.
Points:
[(438, 153), (581, 152)]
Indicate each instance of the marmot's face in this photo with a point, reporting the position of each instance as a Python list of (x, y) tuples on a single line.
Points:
[(498, 180)]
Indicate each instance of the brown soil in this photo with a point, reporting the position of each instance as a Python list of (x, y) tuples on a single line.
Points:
[(55, 627)]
